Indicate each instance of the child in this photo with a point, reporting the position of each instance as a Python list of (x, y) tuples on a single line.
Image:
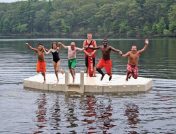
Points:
[(105, 61), (90, 53), (41, 64), (133, 57), (72, 57), (56, 59)]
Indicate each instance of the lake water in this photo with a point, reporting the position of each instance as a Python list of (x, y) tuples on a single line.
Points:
[(28, 111)]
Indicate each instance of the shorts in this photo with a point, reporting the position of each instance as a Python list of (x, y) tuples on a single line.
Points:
[(72, 63), (41, 66), (86, 61), (132, 69), (107, 64)]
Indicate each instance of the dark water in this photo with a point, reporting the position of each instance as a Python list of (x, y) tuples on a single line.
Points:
[(26, 111)]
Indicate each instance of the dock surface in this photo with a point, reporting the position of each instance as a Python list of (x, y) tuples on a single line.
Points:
[(85, 84)]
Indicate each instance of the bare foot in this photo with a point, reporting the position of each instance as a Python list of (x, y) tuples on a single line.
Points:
[(126, 78), (62, 71), (110, 77), (102, 77), (73, 80)]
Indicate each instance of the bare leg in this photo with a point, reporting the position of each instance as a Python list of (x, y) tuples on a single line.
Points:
[(87, 71), (59, 69), (56, 73), (44, 76), (128, 75), (134, 76), (110, 76), (56, 69), (101, 72), (72, 71), (86, 63), (94, 73)]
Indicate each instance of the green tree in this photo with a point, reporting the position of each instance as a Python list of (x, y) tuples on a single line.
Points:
[(172, 18), (160, 26)]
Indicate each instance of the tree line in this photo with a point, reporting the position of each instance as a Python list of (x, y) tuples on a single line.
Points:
[(74, 18)]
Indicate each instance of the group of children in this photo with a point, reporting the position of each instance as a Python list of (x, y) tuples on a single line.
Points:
[(89, 48)]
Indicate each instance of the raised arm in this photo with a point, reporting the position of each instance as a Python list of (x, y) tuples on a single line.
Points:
[(64, 46), (116, 50), (29, 46), (58, 45), (146, 42), (58, 48)]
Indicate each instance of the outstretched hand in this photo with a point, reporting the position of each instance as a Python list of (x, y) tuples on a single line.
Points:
[(59, 43), (120, 52), (28, 45), (146, 41)]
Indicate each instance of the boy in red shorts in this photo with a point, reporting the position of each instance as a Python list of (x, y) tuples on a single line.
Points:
[(41, 64), (105, 61), (133, 57)]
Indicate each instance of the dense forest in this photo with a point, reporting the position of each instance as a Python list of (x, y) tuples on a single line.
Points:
[(74, 18)]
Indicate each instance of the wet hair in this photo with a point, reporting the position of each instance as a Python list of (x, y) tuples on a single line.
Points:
[(89, 33), (73, 43), (133, 44), (53, 44), (40, 44), (105, 41)]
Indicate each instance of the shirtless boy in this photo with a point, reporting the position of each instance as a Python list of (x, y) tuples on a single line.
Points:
[(133, 57), (72, 50), (41, 64), (105, 61)]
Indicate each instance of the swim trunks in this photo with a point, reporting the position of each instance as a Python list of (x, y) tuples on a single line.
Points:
[(107, 64), (72, 63), (41, 66), (133, 69)]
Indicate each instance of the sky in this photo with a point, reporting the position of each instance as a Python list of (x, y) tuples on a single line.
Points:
[(8, 1)]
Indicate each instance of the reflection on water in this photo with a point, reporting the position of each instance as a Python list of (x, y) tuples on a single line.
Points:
[(26, 111), (41, 114), (132, 112), (71, 117), (55, 115)]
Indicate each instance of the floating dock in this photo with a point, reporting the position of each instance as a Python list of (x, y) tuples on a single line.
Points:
[(85, 84)]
